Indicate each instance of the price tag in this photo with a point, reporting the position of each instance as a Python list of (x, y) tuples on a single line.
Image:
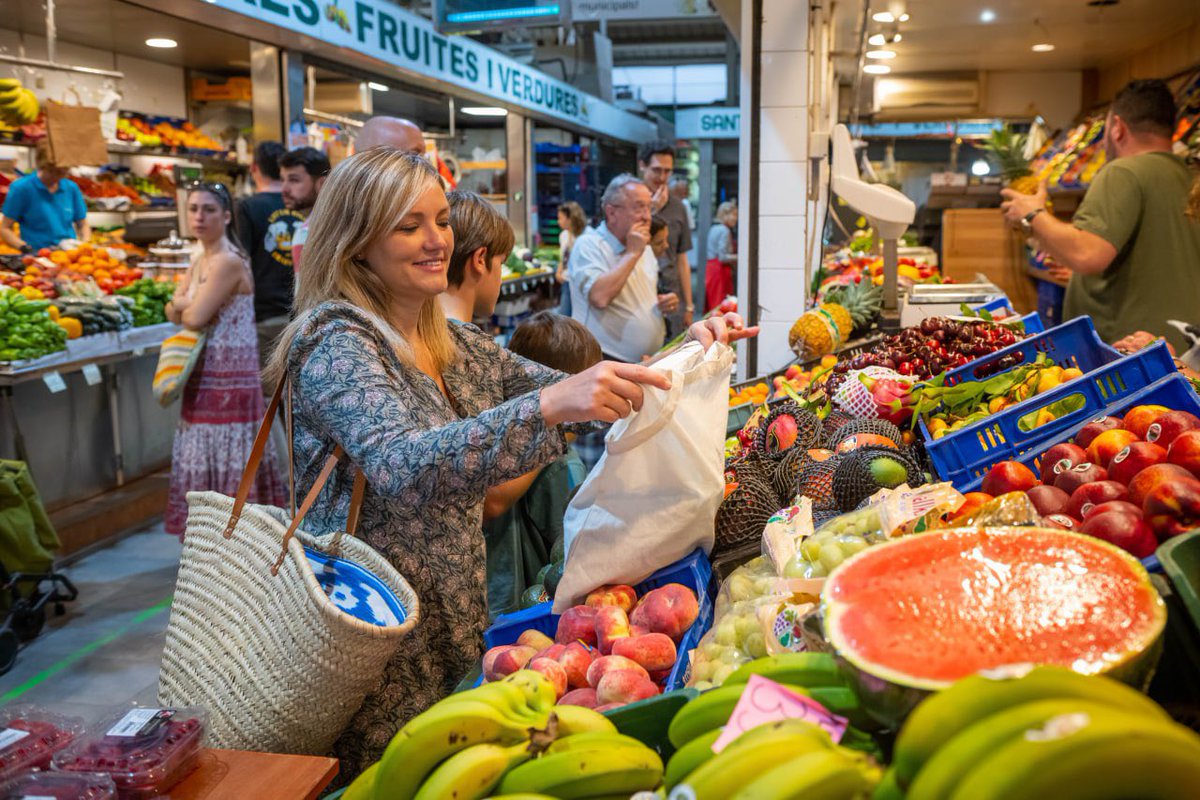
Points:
[(91, 374), (54, 382), (765, 701)]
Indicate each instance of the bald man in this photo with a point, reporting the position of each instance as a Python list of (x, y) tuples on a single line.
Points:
[(391, 132)]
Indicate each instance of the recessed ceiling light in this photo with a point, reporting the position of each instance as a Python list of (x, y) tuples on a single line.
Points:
[(883, 16), (379, 87), (162, 43), (904, 17), (987, 15), (1044, 47), (877, 69), (877, 40), (485, 111), (881, 54)]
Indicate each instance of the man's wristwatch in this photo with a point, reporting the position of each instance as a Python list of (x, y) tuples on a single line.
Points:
[(1027, 220)]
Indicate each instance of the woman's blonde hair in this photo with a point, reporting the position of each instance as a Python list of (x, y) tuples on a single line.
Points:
[(725, 211), (364, 199)]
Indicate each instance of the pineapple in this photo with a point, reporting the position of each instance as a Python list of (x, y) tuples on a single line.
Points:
[(862, 300), (820, 331), (1008, 152)]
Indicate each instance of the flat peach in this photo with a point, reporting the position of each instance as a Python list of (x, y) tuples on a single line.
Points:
[(577, 623), (669, 609), (553, 651), (654, 651), (619, 595), (606, 664), (505, 659), (576, 658), (611, 624), (535, 639), (585, 697), (624, 686), (552, 670)]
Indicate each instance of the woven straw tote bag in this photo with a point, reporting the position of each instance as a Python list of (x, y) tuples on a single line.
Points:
[(257, 635)]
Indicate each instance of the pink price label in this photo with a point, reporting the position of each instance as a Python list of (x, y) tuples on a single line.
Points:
[(764, 701)]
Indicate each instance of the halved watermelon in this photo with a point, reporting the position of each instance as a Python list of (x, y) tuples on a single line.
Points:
[(914, 615)]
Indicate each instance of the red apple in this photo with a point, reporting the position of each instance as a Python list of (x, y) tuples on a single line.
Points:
[(1150, 477), (1008, 476), (1080, 475), (1167, 428), (1124, 506), (1133, 459), (1061, 521), (1173, 507), (1128, 533), (1106, 446), (1094, 428), (1048, 499), (1185, 452), (1093, 494), (1071, 453), (1139, 418)]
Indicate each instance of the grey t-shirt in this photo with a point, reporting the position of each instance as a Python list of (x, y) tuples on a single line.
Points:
[(679, 234)]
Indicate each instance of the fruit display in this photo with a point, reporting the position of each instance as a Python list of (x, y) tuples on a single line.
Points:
[(862, 299), (145, 751), (168, 132), (509, 738), (31, 283), (18, 105), (29, 738), (792, 382), (935, 345), (1042, 732), (614, 649), (96, 315), (107, 187), (820, 331), (149, 297), (982, 598), (1007, 149), (1133, 481), (1071, 159), (834, 542), (27, 330)]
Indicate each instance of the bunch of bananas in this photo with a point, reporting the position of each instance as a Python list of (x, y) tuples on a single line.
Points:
[(508, 736), (1050, 733), (18, 105)]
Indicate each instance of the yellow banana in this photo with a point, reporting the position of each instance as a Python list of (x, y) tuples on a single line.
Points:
[(9, 96), (521, 796), (708, 711), (9, 83), (508, 697), (574, 720), (792, 726), (823, 775), (592, 740), (472, 773), (738, 765), (539, 691), (688, 758), (363, 787), (608, 768)]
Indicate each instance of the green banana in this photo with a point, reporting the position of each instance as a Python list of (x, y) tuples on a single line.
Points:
[(521, 796), (793, 669), (608, 767), (435, 735), (844, 702), (592, 740), (708, 711), (741, 762), (791, 726), (689, 757), (509, 698), (888, 788), (363, 787), (473, 773), (940, 774), (863, 742), (1102, 756), (574, 720), (936, 720), (822, 775)]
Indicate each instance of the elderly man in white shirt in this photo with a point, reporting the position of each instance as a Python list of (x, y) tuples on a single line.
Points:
[(614, 276)]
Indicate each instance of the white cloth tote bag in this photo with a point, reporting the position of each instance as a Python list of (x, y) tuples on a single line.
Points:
[(653, 495)]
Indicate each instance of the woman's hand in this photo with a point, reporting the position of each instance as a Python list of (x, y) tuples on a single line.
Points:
[(606, 392), (725, 329)]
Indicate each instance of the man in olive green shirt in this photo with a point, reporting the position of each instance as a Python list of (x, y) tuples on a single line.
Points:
[(1133, 252)]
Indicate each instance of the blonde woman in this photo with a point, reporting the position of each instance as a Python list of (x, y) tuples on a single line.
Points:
[(571, 224), (722, 256), (432, 413)]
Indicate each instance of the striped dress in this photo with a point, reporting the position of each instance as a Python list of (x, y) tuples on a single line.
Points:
[(222, 409)]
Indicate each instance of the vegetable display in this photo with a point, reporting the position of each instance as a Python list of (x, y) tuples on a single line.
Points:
[(149, 297), (27, 330)]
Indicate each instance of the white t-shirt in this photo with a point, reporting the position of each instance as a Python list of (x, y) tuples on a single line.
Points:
[(631, 326)]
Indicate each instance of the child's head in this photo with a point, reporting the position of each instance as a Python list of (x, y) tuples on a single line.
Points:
[(556, 341), (658, 236), (482, 240)]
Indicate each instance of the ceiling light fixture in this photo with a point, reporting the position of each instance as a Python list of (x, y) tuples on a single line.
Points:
[(485, 111), (987, 15), (877, 39), (903, 17), (880, 55), (162, 43), (877, 69), (1042, 47), (379, 87), (883, 16)]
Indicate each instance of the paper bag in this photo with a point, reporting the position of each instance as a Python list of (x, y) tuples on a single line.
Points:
[(653, 496), (73, 133)]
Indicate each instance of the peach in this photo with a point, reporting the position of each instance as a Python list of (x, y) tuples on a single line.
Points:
[(654, 651), (577, 623), (1093, 494), (1008, 476), (1173, 507), (611, 624), (606, 664), (1127, 532), (619, 595), (660, 675), (972, 502), (1061, 521), (1071, 453), (1088, 433), (576, 658), (585, 697), (1108, 444), (1147, 479), (552, 670), (1167, 428), (1070, 479), (608, 707), (1185, 451), (1048, 499), (624, 686), (669, 610), (1139, 418), (1133, 459), (553, 651), (505, 659), (535, 639)]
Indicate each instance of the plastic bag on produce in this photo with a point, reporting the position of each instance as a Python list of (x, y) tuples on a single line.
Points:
[(783, 621), (906, 511), (784, 532), (653, 497), (1014, 508)]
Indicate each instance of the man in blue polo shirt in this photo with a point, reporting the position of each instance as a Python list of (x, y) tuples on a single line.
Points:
[(46, 204)]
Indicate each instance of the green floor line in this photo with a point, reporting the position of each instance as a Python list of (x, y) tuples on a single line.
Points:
[(87, 649)]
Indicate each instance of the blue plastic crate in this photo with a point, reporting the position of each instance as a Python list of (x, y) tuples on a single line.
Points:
[(964, 456), (1050, 301), (1033, 324), (1072, 344), (992, 306), (694, 572)]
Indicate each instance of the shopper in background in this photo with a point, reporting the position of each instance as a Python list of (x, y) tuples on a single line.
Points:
[(222, 402), (656, 162), (1133, 252), (614, 276), (658, 242), (722, 258), (680, 187), (47, 205), (432, 414), (520, 539), (303, 173), (483, 238), (571, 224)]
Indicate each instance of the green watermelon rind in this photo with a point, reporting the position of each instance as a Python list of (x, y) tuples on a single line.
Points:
[(889, 696)]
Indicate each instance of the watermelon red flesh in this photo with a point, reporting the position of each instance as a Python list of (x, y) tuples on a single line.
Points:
[(939, 606)]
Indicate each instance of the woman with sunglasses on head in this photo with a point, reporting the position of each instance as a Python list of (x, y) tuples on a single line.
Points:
[(222, 402), (431, 413)]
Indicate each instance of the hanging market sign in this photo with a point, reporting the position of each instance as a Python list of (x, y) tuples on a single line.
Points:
[(595, 10), (708, 123), (384, 31)]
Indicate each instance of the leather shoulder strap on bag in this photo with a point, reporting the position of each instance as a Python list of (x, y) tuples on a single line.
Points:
[(261, 439), (356, 500)]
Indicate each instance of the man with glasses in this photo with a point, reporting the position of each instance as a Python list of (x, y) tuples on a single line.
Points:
[(656, 162), (614, 276)]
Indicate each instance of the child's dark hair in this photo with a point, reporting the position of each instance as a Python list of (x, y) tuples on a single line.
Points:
[(656, 225), (476, 223), (556, 341)]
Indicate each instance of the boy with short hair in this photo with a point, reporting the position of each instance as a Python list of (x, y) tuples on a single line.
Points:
[(483, 238)]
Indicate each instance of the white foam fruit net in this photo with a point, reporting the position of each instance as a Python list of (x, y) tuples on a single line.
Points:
[(854, 397)]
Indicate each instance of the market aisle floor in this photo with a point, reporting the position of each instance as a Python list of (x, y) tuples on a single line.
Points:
[(104, 651)]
